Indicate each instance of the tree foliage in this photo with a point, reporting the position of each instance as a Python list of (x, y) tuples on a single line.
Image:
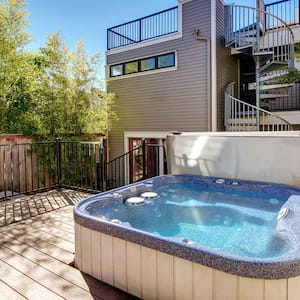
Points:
[(53, 91)]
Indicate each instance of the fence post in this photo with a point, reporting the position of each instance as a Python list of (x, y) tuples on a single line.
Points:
[(58, 160), (144, 158), (102, 166)]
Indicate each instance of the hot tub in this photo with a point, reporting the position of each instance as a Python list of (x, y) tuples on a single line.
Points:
[(193, 237)]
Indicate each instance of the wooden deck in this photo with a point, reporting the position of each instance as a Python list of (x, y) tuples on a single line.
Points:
[(37, 251)]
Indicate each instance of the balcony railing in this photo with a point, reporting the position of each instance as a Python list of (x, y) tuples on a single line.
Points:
[(156, 25), (286, 10)]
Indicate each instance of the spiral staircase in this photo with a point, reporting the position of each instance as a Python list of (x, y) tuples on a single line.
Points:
[(266, 38)]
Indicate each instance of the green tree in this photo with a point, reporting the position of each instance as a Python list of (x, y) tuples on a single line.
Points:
[(15, 69), (55, 85), (102, 114), (20, 114), (52, 92), (71, 101), (83, 78)]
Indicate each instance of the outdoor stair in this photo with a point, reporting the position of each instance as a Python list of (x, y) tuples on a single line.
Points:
[(273, 66), (278, 86), (272, 96), (250, 36), (266, 77)]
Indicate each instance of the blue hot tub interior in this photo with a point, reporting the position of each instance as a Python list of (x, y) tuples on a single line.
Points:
[(234, 217)]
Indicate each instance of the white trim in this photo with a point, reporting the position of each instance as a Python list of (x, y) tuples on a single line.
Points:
[(141, 134), (166, 38), (213, 67), (143, 57), (156, 71)]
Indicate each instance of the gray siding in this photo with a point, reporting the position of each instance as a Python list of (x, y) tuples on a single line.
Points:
[(227, 68), (168, 101), (174, 100)]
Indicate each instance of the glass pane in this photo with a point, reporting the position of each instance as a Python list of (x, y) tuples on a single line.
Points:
[(116, 70), (167, 60), (148, 64), (131, 67)]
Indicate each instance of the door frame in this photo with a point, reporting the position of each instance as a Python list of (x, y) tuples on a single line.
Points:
[(142, 135)]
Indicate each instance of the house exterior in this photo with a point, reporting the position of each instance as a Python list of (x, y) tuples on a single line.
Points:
[(170, 71)]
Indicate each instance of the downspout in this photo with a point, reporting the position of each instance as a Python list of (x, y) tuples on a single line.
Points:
[(208, 55), (213, 66)]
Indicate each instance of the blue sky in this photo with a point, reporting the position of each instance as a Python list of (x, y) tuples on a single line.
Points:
[(88, 19), (85, 19)]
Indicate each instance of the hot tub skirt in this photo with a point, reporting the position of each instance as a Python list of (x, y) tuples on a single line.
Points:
[(151, 274)]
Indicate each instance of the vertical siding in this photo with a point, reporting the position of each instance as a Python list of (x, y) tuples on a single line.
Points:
[(151, 274), (227, 68), (168, 101)]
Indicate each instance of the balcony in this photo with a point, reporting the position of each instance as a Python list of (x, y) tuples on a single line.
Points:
[(153, 26)]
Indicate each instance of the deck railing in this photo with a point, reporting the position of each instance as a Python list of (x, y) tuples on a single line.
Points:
[(143, 162), (39, 166), (156, 25), (287, 10)]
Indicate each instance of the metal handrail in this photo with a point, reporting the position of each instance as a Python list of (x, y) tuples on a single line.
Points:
[(241, 116), (287, 9), (241, 29)]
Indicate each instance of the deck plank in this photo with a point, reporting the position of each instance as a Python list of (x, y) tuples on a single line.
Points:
[(9, 293), (42, 245), (37, 253), (45, 278), (24, 285), (24, 229), (63, 270)]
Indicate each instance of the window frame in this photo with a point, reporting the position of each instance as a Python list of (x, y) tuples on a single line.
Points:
[(130, 62), (166, 54), (139, 70), (150, 57), (111, 67)]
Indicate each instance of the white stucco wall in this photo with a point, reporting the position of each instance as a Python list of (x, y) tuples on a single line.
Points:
[(269, 157)]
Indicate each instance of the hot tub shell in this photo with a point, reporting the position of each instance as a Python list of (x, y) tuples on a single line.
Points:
[(151, 267)]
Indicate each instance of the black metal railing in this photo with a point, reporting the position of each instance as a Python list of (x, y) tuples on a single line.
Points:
[(156, 25), (34, 167), (286, 10), (79, 165), (143, 162)]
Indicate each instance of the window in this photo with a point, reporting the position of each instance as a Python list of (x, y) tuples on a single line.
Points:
[(131, 67), (116, 70), (147, 64), (143, 65), (167, 60)]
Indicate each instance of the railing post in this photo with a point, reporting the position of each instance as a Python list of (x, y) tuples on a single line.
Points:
[(140, 30), (58, 160), (102, 165), (298, 21), (107, 40), (144, 158)]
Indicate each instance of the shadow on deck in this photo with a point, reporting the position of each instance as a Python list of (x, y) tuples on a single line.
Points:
[(37, 250)]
